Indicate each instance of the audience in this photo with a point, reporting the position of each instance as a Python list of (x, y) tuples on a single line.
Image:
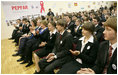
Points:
[(76, 42)]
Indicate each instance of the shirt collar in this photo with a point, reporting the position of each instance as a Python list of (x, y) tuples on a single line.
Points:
[(114, 46), (89, 40), (78, 26), (96, 25), (62, 32), (53, 31)]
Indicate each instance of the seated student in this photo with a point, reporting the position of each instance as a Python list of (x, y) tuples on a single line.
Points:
[(33, 44), (85, 53), (106, 61), (60, 54), (25, 38), (98, 29), (19, 24), (77, 30), (46, 47), (70, 24), (23, 30)]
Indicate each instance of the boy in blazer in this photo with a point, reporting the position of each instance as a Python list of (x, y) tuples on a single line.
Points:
[(60, 54), (106, 62)]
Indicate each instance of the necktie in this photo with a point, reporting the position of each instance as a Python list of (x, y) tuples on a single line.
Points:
[(60, 36), (109, 58)]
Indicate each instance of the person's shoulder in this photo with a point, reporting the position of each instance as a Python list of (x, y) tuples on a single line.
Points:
[(104, 43)]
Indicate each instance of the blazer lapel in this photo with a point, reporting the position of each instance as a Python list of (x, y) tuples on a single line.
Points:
[(106, 49), (87, 46), (114, 56)]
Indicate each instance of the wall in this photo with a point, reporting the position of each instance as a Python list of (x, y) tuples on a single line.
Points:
[(56, 6), (6, 31), (63, 6)]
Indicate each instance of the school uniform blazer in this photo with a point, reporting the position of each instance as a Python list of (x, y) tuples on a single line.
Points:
[(99, 32), (62, 46), (25, 29), (20, 25), (71, 26), (43, 36), (89, 53), (78, 34), (102, 58), (51, 41)]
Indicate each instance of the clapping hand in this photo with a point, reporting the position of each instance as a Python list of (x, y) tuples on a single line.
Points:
[(85, 71), (75, 52), (49, 55), (50, 59)]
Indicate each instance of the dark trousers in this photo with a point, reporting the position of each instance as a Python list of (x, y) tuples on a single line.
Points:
[(48, 67), (29, 49), (14, 33), (22, 45), (70, 68), (18, 35)]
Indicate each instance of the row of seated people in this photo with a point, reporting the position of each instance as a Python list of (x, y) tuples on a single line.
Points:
[(56, 42), (76, 32)]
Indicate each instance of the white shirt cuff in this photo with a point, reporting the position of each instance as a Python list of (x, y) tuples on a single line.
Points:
[(55, 57)]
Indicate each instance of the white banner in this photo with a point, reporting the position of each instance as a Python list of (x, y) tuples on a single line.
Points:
[(19, 9)]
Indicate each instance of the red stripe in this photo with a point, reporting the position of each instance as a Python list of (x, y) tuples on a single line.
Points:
[(36, 50)]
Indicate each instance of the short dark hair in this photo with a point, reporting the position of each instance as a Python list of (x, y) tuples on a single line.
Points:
[(97, 18), (53, 23), (62, 22), (24, 19), (34, 21), (19, 19)]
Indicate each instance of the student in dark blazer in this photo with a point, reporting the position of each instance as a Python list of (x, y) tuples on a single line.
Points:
[(60, 54), (23, 30), (85, 53), (77, 30), (106, 61), (33, 44), (70, 24), (19, 24), (98, 29), (24, 38), (46, 47)]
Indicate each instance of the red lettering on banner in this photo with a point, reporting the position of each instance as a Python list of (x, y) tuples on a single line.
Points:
[(19, 7), (25, 7)]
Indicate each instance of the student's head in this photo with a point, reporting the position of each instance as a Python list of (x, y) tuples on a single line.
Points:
[(86, 18), (96, 20), (38, 22), (33, 22), (88, 29), (28, 22), (51, 25), (18, 21), (68, 18), (49, 10), (44, 24), (74, 18), (77, 22), (24, 20), (61, 25), (110, 32)]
